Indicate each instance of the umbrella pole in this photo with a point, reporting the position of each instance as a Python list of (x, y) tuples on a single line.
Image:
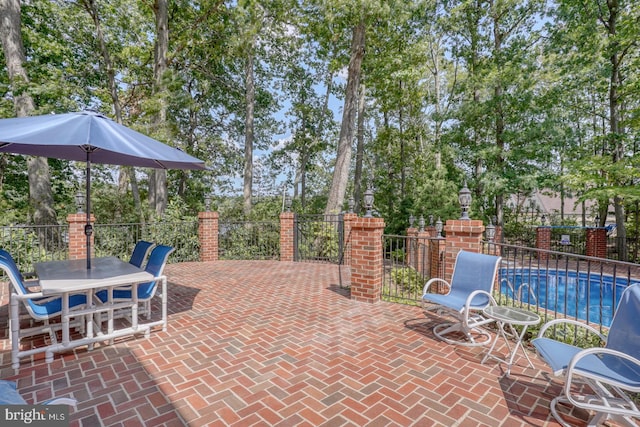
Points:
[(87, 228)]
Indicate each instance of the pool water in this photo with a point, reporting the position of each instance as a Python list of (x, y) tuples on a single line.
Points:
[(568, 292)]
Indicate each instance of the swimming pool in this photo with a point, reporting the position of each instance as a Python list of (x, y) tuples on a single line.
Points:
[(569, 292)]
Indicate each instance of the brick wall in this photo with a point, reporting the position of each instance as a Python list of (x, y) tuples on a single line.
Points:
[(543, 241), (596, 242), (286, 236), (208, 225), (77, 238), (464, 235), (366, 259)]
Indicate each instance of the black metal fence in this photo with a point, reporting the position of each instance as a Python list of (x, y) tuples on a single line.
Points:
[(249, 240), (35, 243), (319, 238), (119, 239), (408, 265), (560, 284)]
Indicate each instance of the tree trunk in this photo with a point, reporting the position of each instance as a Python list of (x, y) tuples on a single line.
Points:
[(40, 193), (343, 158), (357, 178), (250, 99), (127, 174), (161, 10), (614, 126)]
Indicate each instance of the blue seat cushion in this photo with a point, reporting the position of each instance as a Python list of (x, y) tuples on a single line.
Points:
[(9, 394), (605, 367), (55, 306), (455, 300)]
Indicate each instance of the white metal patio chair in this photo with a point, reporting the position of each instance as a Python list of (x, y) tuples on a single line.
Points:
[(611, 372), (145, 291), (140, 252), (39, 308), (468, 294)]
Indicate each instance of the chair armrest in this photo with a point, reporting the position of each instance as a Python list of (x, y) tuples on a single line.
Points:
[(435, 280), (61, 401), (475, 293), (572, 370), (30, 295), (554, 322)]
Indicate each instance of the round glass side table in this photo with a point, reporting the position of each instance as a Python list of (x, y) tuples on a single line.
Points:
[(508, 317)]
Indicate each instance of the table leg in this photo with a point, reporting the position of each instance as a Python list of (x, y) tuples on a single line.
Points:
[(15, 331), (164, 304), (518, 345), (134, 306), (493, 345), (65, 319)]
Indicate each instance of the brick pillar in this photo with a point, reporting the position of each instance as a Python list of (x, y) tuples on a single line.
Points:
[(286, 236), (492, 247), (543, 241), (597, 242), (348, 219), (461, 235), (208, 235), (366, 259), (77, 238)]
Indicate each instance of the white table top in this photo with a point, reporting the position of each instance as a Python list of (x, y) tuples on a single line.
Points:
[(513, 315), (72, 275)]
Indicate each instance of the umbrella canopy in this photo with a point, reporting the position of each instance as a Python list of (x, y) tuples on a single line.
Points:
[(92, 138), (72, 136)]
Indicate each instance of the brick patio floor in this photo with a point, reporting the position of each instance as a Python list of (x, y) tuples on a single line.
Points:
[(280, 344)]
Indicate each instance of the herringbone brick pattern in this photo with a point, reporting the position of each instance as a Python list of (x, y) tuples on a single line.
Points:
[(280, 344)]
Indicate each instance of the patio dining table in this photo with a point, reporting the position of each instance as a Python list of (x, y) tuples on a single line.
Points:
[(72, 276)]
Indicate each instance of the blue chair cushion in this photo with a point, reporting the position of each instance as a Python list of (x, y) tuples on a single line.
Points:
[(55, 306), (9, 394)]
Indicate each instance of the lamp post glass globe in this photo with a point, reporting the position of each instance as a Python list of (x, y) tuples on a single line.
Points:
[(368, 202), (464, 197), (80, 199)]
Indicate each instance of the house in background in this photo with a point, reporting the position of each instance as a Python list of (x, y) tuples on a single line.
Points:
[(549, 207)]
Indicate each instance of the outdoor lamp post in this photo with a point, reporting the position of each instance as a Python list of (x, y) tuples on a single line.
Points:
[(368, 202), (543, 219), (80, 199), (464, 197), (287, 203), (439, 228), (597, 220), (491, 231)]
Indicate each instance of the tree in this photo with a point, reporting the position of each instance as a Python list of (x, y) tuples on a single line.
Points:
[(343, 158), (39, 176)]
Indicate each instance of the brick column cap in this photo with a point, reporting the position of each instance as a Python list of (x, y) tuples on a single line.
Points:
[(286, 215), (463, 225), (80, 217), (208, 215), (372, 223)]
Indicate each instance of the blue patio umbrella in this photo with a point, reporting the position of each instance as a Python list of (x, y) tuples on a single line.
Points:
[(89, 137)]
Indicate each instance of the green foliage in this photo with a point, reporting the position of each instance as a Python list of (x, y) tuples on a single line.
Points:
[(27, 247), (249, 240), (408, 279), (571, 334)]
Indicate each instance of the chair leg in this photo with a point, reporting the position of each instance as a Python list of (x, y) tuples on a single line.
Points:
[(474, 337)]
